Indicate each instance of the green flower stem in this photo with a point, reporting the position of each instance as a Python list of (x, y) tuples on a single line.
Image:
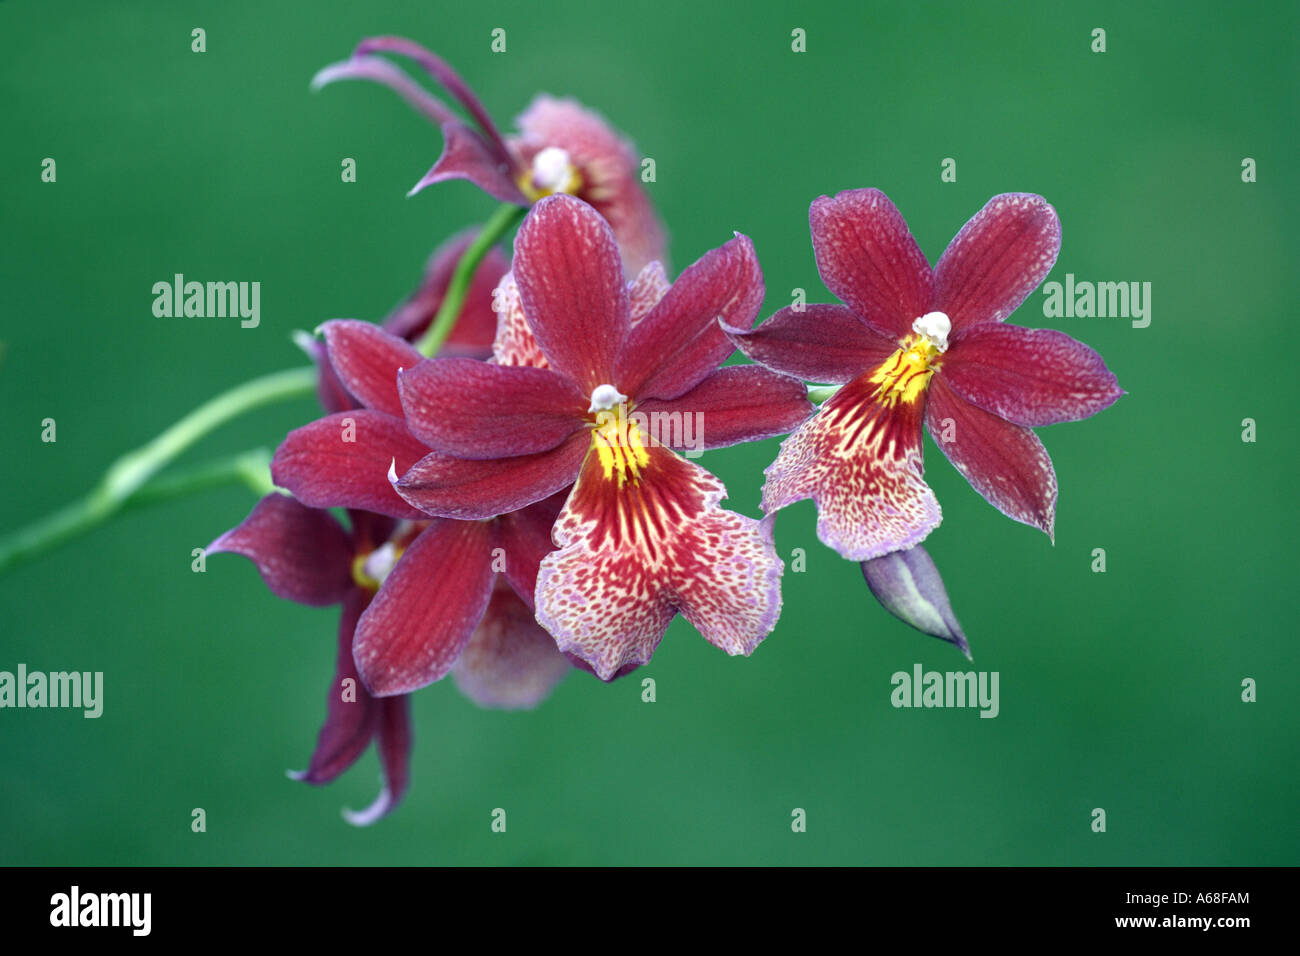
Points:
[(127, 477), (819, 393), (502, 221)]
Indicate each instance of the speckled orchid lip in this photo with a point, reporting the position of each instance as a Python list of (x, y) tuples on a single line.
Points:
[(916, 347)]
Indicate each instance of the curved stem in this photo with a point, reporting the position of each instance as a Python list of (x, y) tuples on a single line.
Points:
[(129, 474), (506, 216)]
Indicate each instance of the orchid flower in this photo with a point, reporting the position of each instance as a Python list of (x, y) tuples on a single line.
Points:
[(562, 147), (914, 345), (641, 536)]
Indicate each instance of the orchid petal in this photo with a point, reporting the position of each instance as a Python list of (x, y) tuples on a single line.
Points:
[(393, 727), (510, 663), (735, 404), (907, 585), (367, 359), (525, 538), (997, 259), (819, 343)]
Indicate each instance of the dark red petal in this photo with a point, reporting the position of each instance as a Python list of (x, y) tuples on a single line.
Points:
[(334, 397), (525, 538), (302, 554), (570, 279), (472, 409), (467, 155), (820, 343), (511, 662), (393, 727), (427, 608), (367, 360), (440, 70), (997, 259), (868, 259), (350, 712), (473, 490), (325, 470), (476, 326), (1029, 376), (735, 404), (1005, 463), (680, 341)]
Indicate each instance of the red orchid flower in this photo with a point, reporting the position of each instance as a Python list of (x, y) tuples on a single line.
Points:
[(641, 537), (914, 344), (442, 579), (562, 147)]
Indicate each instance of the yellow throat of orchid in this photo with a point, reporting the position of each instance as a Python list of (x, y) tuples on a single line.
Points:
[(617, 439), (904, 376), (552, 172)]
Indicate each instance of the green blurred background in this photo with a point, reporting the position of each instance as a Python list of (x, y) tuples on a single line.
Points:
[(1119, 690)]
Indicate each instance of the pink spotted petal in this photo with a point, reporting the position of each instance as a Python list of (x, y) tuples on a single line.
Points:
[(610, 169), (351, 714), (681, 340), (476, 325), (524, 537), (510, 663), (861, 462), (631, 557), (1029, 376), (427, 608), (735, 404), (1005, 463), (393, 727), (302, 553), (514, 343), (472, 490), (367, 360), (819, 343), (998, 258), (868, 259), (473, 409), (342, 461), (571, 285)]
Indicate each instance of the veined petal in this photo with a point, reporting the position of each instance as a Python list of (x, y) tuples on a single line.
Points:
[(525, 538), (510, 663), (644, 292), (735, 404), (680, 341), (393, 729), (1005, 463), (571, 284), (908, 586), (342, 461), (330, 390), (820, 343), (610, 169), (860, 459), (1029, 376), (642, 542), (367, 359), (351, 713), (427, 608), (868, 259), (302, 553), (473, 409), (997, 259), (471, 490), (477, 323), (467, 155)]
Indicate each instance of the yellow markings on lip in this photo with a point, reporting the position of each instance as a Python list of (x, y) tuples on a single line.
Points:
[(570, 186), (619, 445), (904, 376)]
